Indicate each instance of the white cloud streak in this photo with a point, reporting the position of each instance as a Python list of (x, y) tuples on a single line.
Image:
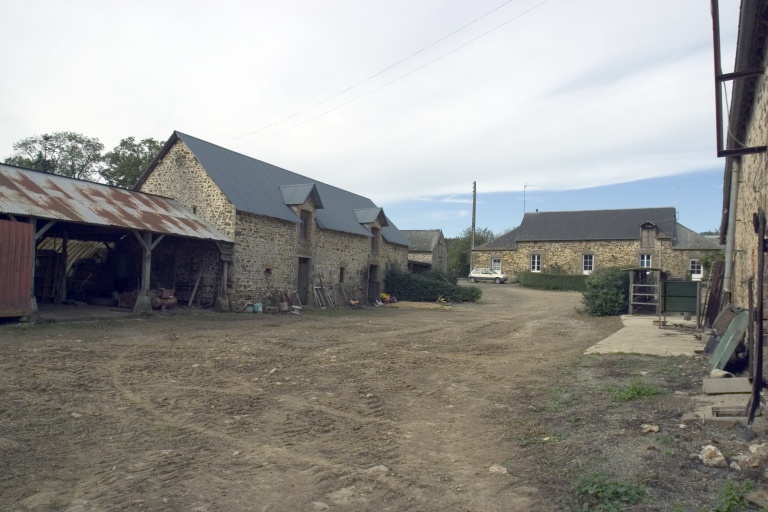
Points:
[(568, 95)]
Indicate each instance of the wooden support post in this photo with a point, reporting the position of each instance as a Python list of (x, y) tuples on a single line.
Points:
[(36, 235), (143, 301), (60, 294), (226, 251)]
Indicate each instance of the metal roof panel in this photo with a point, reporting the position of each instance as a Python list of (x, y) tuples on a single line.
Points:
[(38, 194)]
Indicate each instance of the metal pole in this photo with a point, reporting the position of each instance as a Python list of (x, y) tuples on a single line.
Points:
[(731, 235), (474, 212)]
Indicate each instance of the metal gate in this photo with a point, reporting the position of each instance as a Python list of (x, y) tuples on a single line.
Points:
[(15, 268)]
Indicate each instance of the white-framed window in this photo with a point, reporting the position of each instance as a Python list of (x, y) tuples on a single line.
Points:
[(496, 264), (587, 263), (535, 262), (645, 261), (697, 271)]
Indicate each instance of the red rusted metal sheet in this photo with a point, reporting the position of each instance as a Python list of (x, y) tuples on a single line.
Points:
[(48, 196), (15, 268)]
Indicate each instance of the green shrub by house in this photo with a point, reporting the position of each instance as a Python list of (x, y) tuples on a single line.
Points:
[(407, 286), (607, 292), (549, 281)]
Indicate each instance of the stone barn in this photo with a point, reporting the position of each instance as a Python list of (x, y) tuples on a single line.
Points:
[(291, 233)]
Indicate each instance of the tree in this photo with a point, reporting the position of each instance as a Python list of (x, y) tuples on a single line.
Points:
[(125, 163), (65, 153), (459, 249), (715, 231)]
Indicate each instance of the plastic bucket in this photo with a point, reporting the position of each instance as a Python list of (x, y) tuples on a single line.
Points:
[(257, 307), (249, 309)]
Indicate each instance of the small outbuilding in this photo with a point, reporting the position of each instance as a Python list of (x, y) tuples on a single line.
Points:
[(426, 250)]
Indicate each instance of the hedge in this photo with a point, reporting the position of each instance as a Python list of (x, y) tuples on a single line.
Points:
[(607, 292), (543, 281), (407, 286)]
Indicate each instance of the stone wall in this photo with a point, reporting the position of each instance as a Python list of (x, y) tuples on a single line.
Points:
[(753, 194), (569, 256), (421, 257), (180, 176), (263, 243)]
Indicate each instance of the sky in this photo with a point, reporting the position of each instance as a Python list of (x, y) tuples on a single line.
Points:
[(552, 105)]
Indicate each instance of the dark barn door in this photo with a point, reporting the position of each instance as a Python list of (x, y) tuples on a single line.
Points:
[(15, 268), (373, 283), (302, 286)]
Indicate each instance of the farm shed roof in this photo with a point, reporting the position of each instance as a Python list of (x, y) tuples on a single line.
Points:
[(29, 193), (422, 240)]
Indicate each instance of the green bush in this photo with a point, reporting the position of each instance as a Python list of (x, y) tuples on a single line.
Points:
[(407, 286), (545, 281), (595, 491), (607, 292)]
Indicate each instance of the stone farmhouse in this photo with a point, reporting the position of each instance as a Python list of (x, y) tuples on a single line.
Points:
[(745, 180), (578, 242), (427, 250), (290, 232)]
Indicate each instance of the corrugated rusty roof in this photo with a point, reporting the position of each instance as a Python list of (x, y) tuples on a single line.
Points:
[(47, 196)]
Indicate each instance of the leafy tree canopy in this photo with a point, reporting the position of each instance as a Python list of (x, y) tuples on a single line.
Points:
[(65, 153), (715, 231), (77, 156), (125, 163), (459, 249)]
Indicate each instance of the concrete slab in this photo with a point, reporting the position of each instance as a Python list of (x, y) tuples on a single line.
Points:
[(726, 410), (727, 386), (640, 336)]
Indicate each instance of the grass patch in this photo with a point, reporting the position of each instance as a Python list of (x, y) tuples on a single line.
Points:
[(636, 390), (596, 492), (562, 398), (732, 496)]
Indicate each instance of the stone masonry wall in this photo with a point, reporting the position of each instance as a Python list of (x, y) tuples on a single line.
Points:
[(753, 194), (263, 242), (569, 256), (180, 176), (421, 257)]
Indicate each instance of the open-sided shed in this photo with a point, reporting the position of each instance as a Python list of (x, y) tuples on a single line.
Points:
[(61, 212)]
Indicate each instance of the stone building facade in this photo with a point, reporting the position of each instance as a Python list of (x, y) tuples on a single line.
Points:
[(580, 242), (427, 250), (291, 233), (746, 175)]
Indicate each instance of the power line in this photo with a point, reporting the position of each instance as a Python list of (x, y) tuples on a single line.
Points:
[(374, 75), (391, 81)]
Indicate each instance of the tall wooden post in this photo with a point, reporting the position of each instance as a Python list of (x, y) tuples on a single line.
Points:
[(143, 301)]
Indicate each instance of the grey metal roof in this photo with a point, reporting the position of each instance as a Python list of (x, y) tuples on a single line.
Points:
[(253, 186), (369, 215), (28, 193), (687, 239), (585, 225), (422, 240), (298, 194)]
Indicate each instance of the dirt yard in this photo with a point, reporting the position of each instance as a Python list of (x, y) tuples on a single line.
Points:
[(479, 407)]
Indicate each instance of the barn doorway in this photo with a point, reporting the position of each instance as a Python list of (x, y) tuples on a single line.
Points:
[(373, 283), (302, 284)]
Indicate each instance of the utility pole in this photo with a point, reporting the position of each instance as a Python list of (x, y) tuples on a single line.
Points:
[(474, 211)]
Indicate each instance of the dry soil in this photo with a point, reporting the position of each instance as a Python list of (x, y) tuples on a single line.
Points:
[(479, 406)]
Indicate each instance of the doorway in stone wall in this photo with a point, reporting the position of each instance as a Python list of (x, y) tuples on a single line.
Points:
[(373, 283), (302, 284)]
